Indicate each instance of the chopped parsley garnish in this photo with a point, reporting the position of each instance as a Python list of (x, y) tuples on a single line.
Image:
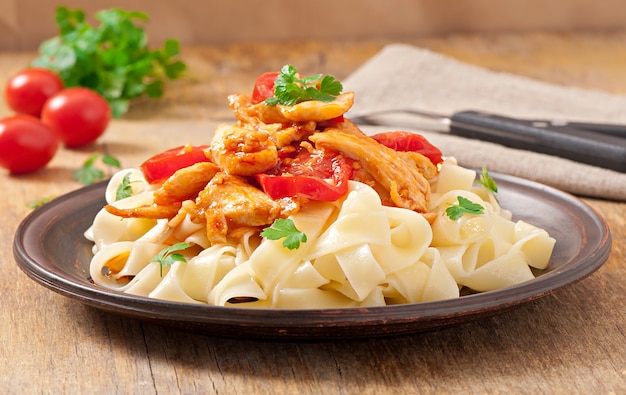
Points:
[(290, 89), (88, 173), (124, 190), (40, 202), (487, 181), (169, 255), (463, 206), (285, 228)]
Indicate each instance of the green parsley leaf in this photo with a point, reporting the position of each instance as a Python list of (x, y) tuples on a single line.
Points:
[(40, 202), (112, 58), (285, 228), (289, 89), (487, 181), (88, 173), (464, 206), (168, 256), (110, 160), (124, 190)]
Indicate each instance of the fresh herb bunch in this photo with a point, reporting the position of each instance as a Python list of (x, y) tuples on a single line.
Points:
[(290, 89), (113, 58)]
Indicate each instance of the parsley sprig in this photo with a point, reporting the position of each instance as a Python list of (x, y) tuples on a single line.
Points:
[(40, 202), (488, 182), (124, 190), (285, 228), (113, 58), (88, 173), (290, 89), (463, 206), (169, 255)]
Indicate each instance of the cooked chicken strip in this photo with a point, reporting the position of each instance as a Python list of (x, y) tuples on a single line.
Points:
[(422, 163), (151, 212), (312, 110), (243, 151), (182, 185), (185, 183), (407, 187), (228, 202)]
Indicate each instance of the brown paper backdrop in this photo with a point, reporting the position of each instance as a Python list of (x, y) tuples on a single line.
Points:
[(25, 23)]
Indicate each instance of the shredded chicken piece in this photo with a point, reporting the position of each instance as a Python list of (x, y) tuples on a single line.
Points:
[(422, 163), (182, 185), (284, 136), (148, 211), (243, 151), (407, 187), (228, 202), (242, 108), (281, 133), (185, 183), (312, 110)]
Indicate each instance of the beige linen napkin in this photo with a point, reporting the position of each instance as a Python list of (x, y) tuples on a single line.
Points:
[(402, 76)]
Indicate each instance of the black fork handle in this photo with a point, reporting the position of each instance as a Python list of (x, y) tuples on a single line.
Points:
[(585, 146)]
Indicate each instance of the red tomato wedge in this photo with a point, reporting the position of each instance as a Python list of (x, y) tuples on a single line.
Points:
[(407, 141), (161, 166), (264, 87), (323, 178), (312, 188)]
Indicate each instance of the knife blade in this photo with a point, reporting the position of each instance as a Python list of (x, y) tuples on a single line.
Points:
[(602, 145)]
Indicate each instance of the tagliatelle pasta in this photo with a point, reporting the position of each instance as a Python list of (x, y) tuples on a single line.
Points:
[(358, 253), (294, 207)]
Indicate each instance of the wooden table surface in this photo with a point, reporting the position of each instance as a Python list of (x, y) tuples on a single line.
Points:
[(573, 341)]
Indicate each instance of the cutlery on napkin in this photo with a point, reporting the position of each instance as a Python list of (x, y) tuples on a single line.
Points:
[(601, 145), (402, 76)]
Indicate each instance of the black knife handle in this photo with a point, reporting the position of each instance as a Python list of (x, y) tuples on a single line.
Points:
[(579, 145), (616, 130)]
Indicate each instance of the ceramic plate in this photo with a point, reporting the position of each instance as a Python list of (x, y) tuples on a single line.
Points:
[(50, 248)]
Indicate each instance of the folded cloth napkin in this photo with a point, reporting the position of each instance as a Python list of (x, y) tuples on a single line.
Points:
[(403, 76)]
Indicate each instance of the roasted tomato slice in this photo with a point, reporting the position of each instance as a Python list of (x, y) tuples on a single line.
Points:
[(317, 177), (407, 141)]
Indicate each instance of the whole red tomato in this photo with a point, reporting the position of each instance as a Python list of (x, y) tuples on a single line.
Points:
[(78, 115), (26, 143), (27, 91)]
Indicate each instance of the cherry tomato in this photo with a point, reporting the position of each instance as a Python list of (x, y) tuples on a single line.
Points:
[(159, 167), (78, 115), (26, 143), (27, 91), (264, 87), (305, 176), (407, 141)]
